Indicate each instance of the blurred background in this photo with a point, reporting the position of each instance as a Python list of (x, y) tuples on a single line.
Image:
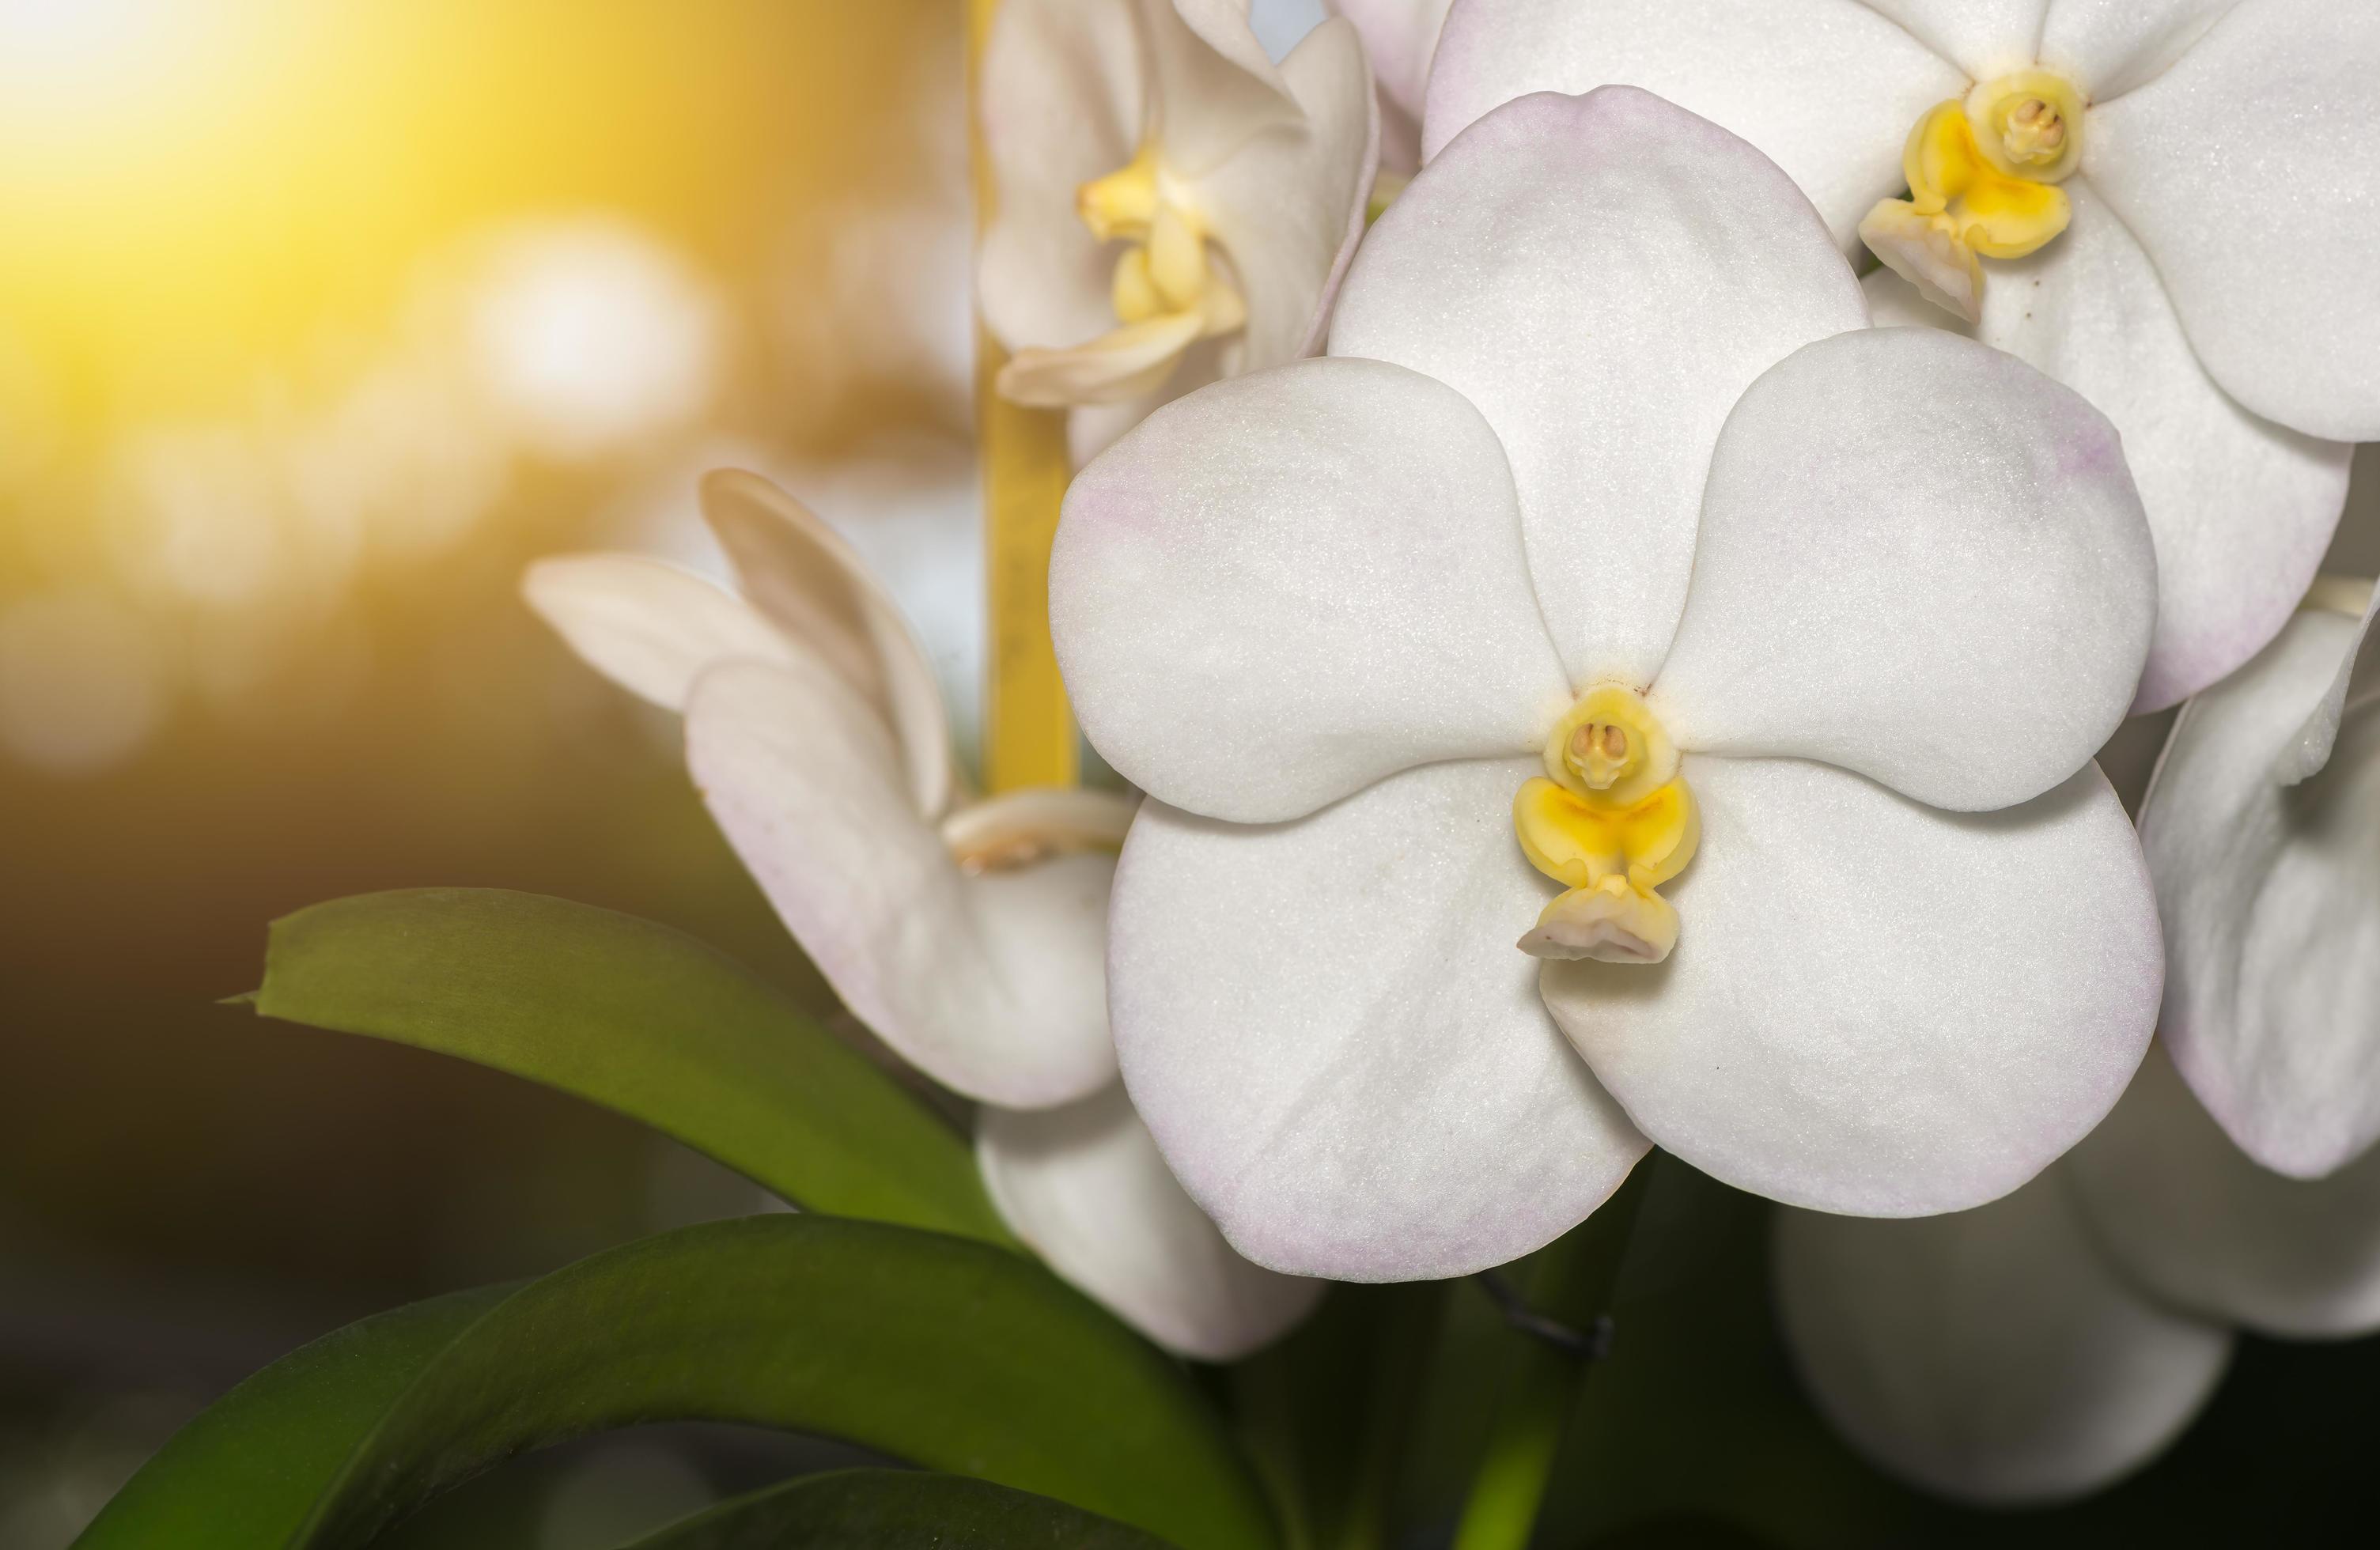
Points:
[(317, 322)]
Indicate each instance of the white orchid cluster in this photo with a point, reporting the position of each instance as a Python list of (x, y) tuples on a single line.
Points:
[(1600, 682)]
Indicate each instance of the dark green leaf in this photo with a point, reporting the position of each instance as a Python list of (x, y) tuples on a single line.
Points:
[(639, 1019), (895, 1509), (952, 1354), (246, 1474)]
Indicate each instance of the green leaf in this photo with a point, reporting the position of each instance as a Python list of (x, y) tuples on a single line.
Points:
[(952, 1354), (248, 1472), (640, 1019), (895, 1509)]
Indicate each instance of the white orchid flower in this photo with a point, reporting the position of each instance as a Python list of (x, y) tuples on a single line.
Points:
[(1608, 543), (1169, 206), (2049, 1344), (1399, 38), (2170, 205), (968, 935)]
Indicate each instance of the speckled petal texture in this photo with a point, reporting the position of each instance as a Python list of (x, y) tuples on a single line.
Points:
[(1086, 1187), (2251, 172), (2242, 509), (1602, 276), (2193, 1220), (1278, 589), (1875, 1007), (2270, 895), (2108, 47), (1990, 1355), (1828, 88), (1920, 560), (1329, 1031), (990, 984), (1985, 38)]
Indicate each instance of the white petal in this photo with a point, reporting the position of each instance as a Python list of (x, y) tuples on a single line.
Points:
[(1604, 332), (807, 579), (648, 626), (1828, 88), (990, 984), (1919, 560), (1288, 207), (1215, 86), (1340, 1052), (2271, 899), (2193, 1220), (1990, 1355), (2251, 172), (1875, 1007), (1083, 1185), (2108, 47), (2354, 688), (2241, 508), (1129, 362), (1278, 589), (1399, 38), (1064, 100), (1985, 38)]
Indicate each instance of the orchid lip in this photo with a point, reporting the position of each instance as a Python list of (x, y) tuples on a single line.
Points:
[(1611, 820)]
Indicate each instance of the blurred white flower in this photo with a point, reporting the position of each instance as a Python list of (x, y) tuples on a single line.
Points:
[(1169, 206), (1607, 544), (2197, 186), (969, 935), (2046, 1344)]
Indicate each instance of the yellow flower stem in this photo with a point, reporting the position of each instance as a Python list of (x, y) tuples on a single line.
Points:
[(1029, 732), (1572, 1286)]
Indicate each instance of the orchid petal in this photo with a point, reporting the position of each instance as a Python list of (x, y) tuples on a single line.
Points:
[(1985, 38), (2247, 172), (990, 984), (2108, 47), (2241, 508), (649, 628), (1130, 361), (1289, 207), (1216, 88), (1828, 88), (1328, 1029), (1919, 560), (2355, 687), (1083, 1185), (1991, 1355), (1603, 333), (2271, 901), (1875, 1007), (805, 577), (2195, 1220), (1283, 588), (1399, 36), (1064, 100)]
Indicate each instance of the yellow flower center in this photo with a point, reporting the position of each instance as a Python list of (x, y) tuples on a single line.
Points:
[(1982, 184), (1167, 270), (1611, 820)]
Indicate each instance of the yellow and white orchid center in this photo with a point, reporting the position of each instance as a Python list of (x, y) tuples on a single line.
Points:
[(1982, 184), (1172, 287), (1017, 829), (1167, 268), (1611, 820)]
